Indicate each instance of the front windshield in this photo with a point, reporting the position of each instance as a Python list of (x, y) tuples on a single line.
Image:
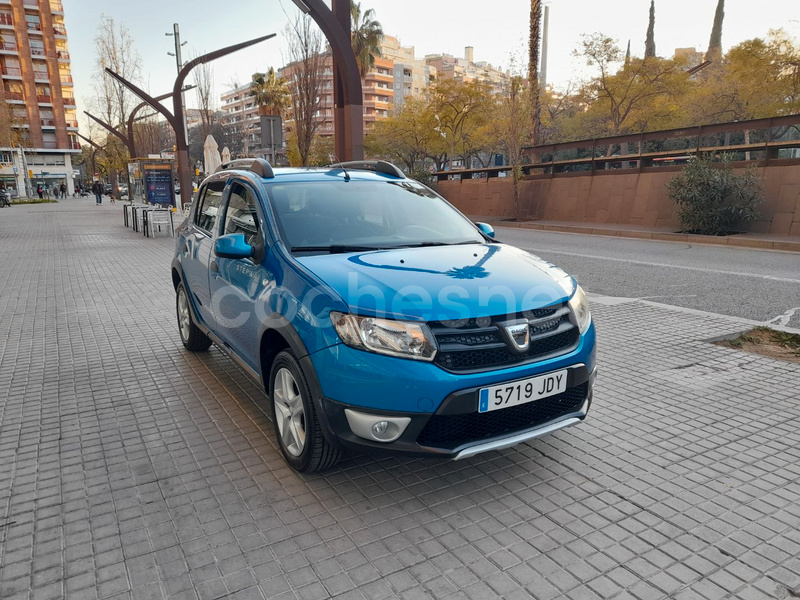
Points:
[(359, 215)]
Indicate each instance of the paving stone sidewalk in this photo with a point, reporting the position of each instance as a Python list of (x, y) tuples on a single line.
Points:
[(130, 468)]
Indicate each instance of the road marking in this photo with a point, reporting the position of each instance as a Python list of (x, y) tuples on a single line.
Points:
[(783, 320), (663, 265)]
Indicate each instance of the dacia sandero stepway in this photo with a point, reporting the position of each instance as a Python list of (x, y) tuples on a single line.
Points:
[(377, 316)]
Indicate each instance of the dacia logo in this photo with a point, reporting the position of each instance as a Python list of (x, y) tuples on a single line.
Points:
[(519, 335)]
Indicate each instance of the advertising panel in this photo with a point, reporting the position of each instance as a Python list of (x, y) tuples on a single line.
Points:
[(158, 186)]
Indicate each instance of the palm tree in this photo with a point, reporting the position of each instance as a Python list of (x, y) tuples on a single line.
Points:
[(366, 37), (271, 93), (533, 68)]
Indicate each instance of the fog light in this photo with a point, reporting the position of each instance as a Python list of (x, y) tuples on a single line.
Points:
[(377, 428)]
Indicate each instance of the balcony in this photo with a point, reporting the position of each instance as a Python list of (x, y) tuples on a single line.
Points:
[(72, 124), (49, 144), (74, 146), (44, 99), (56, 7), (68, 101), (40, 75), (60, 31), (9, 46), (12, 71), (34, 27), (47, 122), (6, 20), (35, 51), (62, 55), (66, 79), (14, 95)]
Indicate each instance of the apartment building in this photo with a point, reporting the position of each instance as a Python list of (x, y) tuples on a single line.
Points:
[(466, 69), (241, 113), (412, 76), (37, 91)]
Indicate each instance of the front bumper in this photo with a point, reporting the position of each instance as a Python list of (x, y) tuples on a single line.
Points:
[(456, 430)]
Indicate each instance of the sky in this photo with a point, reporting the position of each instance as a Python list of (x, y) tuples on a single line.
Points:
[(497, 30)]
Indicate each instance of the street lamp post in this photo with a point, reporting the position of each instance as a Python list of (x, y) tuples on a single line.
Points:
[(176, 118), (176, 33)]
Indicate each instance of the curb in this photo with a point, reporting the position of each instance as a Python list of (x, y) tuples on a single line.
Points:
[(788, 245)]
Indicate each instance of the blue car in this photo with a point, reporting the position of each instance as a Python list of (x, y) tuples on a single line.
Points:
[(377, 316)]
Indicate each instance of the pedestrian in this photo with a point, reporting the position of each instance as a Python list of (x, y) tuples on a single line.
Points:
[(56, 191), (63, 190), (40, 191), (97, 190)]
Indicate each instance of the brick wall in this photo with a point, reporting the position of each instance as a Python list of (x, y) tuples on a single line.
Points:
[(627, 198)]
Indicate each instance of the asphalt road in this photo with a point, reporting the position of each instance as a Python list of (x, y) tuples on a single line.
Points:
[(752, 284)]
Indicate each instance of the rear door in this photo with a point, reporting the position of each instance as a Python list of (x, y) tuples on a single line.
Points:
[(236, 284), (200, 248)]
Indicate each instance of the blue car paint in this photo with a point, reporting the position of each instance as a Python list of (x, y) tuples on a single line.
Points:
[(439, 283), (299, 292), (397, 384)]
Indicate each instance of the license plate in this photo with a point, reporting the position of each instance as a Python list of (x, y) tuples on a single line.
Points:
[(521, 392)]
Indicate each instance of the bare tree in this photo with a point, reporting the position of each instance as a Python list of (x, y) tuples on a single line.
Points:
[(304, 76), (204, 80), (114, 47)]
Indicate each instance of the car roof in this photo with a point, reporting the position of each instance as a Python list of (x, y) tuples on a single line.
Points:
[(305, 175)]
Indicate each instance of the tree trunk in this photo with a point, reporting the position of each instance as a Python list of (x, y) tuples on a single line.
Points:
[(533, 68)]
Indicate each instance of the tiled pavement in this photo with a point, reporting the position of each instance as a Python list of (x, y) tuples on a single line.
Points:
[(130, 468)]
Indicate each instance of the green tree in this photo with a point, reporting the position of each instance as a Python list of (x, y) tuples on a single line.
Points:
[(270, 92), (712, 199), (409, 137), (624, 99), (461, 111), (757, 78), (366, 37), (650, 42), (714, 52)]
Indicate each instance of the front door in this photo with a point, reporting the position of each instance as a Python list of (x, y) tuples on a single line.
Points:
[(236, 284)]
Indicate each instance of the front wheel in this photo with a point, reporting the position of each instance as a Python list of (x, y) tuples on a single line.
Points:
[(295, 419), (192, 337)]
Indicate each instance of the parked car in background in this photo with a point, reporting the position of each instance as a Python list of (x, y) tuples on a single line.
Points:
[(377, 316)]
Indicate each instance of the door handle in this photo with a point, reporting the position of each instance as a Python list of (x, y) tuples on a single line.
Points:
[(213, 267)]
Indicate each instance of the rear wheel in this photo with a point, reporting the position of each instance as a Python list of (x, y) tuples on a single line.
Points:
[(295, 419), (192, 337)]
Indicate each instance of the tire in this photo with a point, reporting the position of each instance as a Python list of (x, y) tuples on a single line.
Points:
[(192, 337), (295, 420)]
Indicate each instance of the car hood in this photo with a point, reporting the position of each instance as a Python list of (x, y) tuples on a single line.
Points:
[(442, 282)]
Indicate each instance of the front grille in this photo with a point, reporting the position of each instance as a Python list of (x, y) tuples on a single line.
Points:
[(475, 344), (451, 431)]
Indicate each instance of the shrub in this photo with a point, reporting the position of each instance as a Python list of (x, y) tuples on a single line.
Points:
[(712, 199)]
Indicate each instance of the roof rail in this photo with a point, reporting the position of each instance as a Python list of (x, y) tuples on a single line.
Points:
[(378, 166), (259, 166)]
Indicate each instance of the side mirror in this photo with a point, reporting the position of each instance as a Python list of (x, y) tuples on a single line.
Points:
[(232, 246), (486, 229)]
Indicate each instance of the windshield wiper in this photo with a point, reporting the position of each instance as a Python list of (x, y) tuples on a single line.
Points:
[(335, 248), (429, 244)]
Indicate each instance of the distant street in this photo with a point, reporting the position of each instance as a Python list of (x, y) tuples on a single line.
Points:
[(752, 284)]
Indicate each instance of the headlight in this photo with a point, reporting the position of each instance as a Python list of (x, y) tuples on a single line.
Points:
[(385, 336), (580, 308)]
